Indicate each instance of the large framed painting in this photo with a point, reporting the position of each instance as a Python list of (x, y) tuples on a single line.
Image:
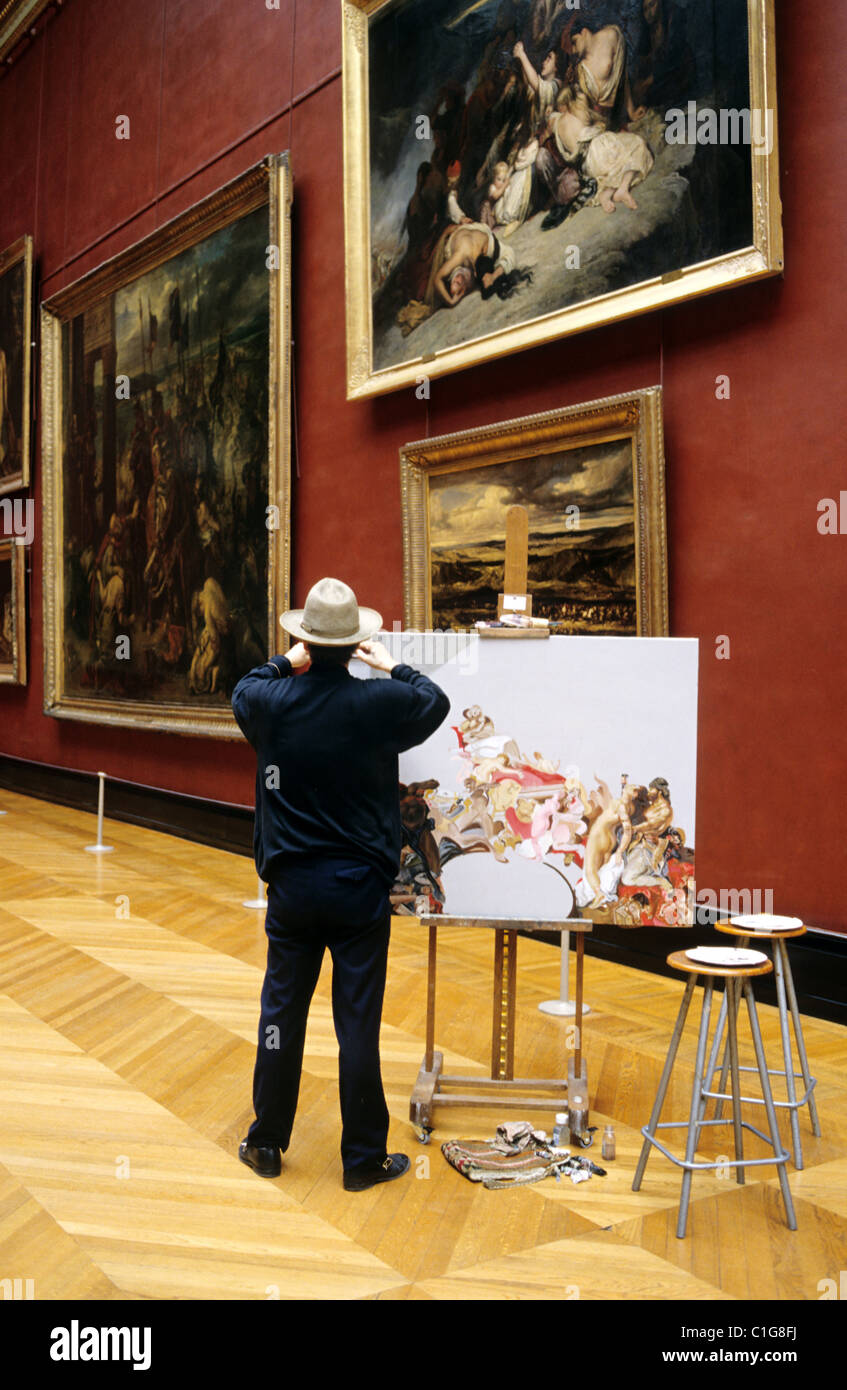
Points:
[(166, 402), (12, 613), (518, 170), (15, 359), (592, 479)]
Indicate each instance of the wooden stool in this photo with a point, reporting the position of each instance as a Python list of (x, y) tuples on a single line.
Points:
[(787, 1001), (737, 979)]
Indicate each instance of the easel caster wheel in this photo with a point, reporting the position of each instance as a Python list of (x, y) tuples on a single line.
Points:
[(585, 1140), (422, 1134)]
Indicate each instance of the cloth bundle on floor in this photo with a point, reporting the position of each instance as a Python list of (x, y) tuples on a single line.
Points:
[(517, 1154)]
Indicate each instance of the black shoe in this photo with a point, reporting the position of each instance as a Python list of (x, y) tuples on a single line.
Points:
[(264, 1160), (360, 1179)]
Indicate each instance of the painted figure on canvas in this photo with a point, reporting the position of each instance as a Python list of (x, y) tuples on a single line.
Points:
[(166, 477), (621, 854), (519, 162)]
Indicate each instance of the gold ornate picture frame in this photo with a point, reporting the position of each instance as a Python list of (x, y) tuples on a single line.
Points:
[(16, 266), (438, 108), (166, 454), (12, 612), (592, 478)]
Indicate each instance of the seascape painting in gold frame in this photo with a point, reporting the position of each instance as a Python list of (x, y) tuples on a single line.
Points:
[(166, 455), (444, 100), (592, 479)]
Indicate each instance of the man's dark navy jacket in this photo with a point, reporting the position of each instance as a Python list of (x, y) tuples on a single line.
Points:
[(327, 746)]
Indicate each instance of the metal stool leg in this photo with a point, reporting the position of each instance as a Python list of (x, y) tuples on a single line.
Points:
[(779, 962), (725, 1068), (721, 1025), (733, 993), (769, 1107), (798, 1033), (666, 1076), (711, 1065), (745, 941), (718, 1040), (698, 1108)]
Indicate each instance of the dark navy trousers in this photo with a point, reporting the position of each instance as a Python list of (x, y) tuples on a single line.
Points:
[(313, 904)]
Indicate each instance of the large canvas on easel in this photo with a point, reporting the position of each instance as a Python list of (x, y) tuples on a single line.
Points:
[(562, 784)]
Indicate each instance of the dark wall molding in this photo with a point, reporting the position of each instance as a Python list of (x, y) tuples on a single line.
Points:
[(818, 962), (818, 959), (216, 823)]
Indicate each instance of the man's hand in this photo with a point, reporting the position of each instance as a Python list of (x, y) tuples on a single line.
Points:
[(299, 657), (376, 655)]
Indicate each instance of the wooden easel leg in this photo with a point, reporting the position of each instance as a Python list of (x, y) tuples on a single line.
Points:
[(508, 1041), (497, 1007), (577, 1073), (503, 1005), (426, 1086), (423, 1097), (430, 999), (580, 960)]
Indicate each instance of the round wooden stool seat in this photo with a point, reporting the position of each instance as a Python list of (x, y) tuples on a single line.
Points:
[(680, 960), (734, 928)]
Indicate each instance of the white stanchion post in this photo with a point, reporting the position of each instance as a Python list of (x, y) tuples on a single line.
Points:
[(260, 901), (100, 848), (563, 1007)]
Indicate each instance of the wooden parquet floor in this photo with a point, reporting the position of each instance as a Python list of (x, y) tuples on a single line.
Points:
[(129, 988)]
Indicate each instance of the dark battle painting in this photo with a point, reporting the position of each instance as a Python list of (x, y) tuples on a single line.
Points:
[(165, 435), (7, 630), (15, 269), (12, 613)]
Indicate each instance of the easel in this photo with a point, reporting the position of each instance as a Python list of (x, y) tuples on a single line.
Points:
[(502, 1089)]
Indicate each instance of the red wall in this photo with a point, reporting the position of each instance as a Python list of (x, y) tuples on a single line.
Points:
[(208, 88)]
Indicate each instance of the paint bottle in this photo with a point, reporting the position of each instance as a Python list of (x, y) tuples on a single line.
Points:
[(560, 1131), (608, 1147), (577, 1115)]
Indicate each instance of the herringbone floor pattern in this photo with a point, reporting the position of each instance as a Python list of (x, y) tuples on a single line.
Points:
[(129, 989)]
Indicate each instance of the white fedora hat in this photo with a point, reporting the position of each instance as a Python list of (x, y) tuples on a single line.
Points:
[(332, 617)]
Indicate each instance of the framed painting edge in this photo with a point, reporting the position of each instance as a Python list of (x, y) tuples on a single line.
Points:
[(763, 259), (22, 251), (267, 182), (17, 554), (15, 21), (637, 411)]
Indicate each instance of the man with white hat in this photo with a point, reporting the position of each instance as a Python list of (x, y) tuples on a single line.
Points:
[(327, 842)]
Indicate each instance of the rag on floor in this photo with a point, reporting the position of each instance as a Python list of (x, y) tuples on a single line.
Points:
[(516, 1155)]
